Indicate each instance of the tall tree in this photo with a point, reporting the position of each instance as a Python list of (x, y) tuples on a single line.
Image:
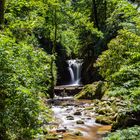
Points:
[(94, 15), (54, 8), (2, 3)]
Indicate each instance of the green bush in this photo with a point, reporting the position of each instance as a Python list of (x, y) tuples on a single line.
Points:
[(132, 133), (25, 74)]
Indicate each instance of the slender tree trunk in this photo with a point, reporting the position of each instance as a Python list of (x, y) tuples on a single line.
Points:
[(2, 4), (105, 10), (55, 32), (105, 14), (53, 53), (52, 80), (94, 14)]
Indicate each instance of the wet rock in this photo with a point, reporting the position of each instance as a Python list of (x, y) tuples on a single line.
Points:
[(88, 118), (60, 136), (61, 130), (78, 133), (52, 138), (70, 118), (77, 113), (80, 122), (53, 123), (69, 104), (89, 108), (122, 104), (76, 105)]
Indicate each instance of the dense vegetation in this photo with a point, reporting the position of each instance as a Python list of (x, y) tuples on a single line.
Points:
[(36, 34), (126, 134), (25, 71)]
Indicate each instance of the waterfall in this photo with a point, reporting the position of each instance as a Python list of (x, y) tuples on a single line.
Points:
[(71, 74), (74, 68)]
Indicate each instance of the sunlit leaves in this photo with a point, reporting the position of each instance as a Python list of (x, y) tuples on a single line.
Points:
[(120, 64), (118, 53), (24, 76)]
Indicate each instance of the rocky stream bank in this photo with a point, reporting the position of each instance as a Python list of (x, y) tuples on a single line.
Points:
[(91, 114), (74, 120)]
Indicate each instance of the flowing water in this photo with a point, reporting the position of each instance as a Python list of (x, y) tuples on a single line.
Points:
[(75, 66), (73, 118), (74, 121)]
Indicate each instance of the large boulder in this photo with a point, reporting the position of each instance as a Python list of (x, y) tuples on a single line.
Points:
[(127, 119), (107, 110), (92, 91)]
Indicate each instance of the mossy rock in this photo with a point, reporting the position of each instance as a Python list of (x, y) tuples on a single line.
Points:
[(70, 118), (92, 91), (127, 119), (80, 122), (52, 137), (78, 133), (105, 110), (105, 120)]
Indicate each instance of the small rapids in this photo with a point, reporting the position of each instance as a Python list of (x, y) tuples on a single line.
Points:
[(75, 120)]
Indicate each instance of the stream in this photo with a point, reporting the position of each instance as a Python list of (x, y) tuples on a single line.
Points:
[(74, 120)]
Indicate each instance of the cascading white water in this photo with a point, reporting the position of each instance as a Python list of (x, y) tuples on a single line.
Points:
[(71, 74), (74, 68)]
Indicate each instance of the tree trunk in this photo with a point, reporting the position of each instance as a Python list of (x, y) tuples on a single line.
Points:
[(52, 80), (94, 14), (105, 10), (53, 53), (105, 14), (2, 4)]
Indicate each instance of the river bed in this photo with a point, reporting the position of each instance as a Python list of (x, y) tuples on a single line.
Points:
[(74, 120)]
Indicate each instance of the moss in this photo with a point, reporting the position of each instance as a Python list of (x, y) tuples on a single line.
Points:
[(127, 119), (51, 137), (104, 119), (105, 110), (92, 91)]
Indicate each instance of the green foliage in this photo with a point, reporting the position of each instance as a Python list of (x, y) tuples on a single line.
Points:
[(70, 41), (132, 133), (124, 46), (123, 13), (120, 67), (25, 71), (120, 63), (26, 19), (24, 74)]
